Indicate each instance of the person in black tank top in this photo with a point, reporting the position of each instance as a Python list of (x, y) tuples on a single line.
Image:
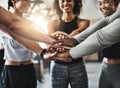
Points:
[(68, 27), (72, 73), (110, 71)]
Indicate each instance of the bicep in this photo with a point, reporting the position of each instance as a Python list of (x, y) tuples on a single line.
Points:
[(82, 26)]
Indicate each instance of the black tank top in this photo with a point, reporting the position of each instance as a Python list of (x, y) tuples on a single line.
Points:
[(112, 52), (68, 27)]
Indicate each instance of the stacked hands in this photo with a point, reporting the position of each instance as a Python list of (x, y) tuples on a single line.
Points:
[(59, 50)]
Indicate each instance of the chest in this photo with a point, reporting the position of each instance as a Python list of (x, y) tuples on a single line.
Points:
[(67, 27)]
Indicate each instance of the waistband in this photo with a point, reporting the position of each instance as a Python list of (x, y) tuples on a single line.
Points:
[(18, 63), (67, 63), (18, 67), (111, 61)]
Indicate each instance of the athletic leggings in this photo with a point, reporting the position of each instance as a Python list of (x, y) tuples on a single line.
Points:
[(110, 76)]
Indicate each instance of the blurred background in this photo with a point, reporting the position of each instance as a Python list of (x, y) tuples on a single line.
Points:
[(40, 13)]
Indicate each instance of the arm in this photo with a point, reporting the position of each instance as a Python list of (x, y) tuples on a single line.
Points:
[(21, 27), (82, 25), (98, 25), (29, 44), (99, 40), (56, 34)]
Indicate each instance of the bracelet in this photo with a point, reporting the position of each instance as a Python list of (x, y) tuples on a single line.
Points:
[(43, 52)]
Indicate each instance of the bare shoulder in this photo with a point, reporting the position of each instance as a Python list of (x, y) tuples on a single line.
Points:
[(52, 25), (53, 22)]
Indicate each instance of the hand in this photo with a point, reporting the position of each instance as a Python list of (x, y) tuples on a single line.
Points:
[(69, 42), (58, 49), (63, 57), (58, 56), (63, 39), (59, 35)]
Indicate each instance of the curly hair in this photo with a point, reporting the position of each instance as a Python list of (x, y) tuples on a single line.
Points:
[(76, 10)]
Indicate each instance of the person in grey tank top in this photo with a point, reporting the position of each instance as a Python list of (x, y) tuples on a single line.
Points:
[(18, 71), (24, 29)]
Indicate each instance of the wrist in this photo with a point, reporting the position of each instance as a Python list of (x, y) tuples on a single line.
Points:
[(75, 42), (69, 56), (42, 53)]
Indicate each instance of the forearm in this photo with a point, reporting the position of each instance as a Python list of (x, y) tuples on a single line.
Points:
[(114, 16), (31, 45), (90, 30), (21, 27), (27, 43), (28, 31), (98, 25), (98, 41)]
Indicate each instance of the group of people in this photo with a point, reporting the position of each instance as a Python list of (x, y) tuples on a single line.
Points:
[(74, 42)]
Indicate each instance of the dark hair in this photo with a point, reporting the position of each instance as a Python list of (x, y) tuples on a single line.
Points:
[(117, 2), (10, 4), (76, 10)]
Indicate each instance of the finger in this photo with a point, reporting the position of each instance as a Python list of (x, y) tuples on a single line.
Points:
[(67, 47), (59, 35), (49, 56)]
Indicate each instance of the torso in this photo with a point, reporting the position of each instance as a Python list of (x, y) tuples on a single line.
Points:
[(14, 51), (67, 27), (112, 54)]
